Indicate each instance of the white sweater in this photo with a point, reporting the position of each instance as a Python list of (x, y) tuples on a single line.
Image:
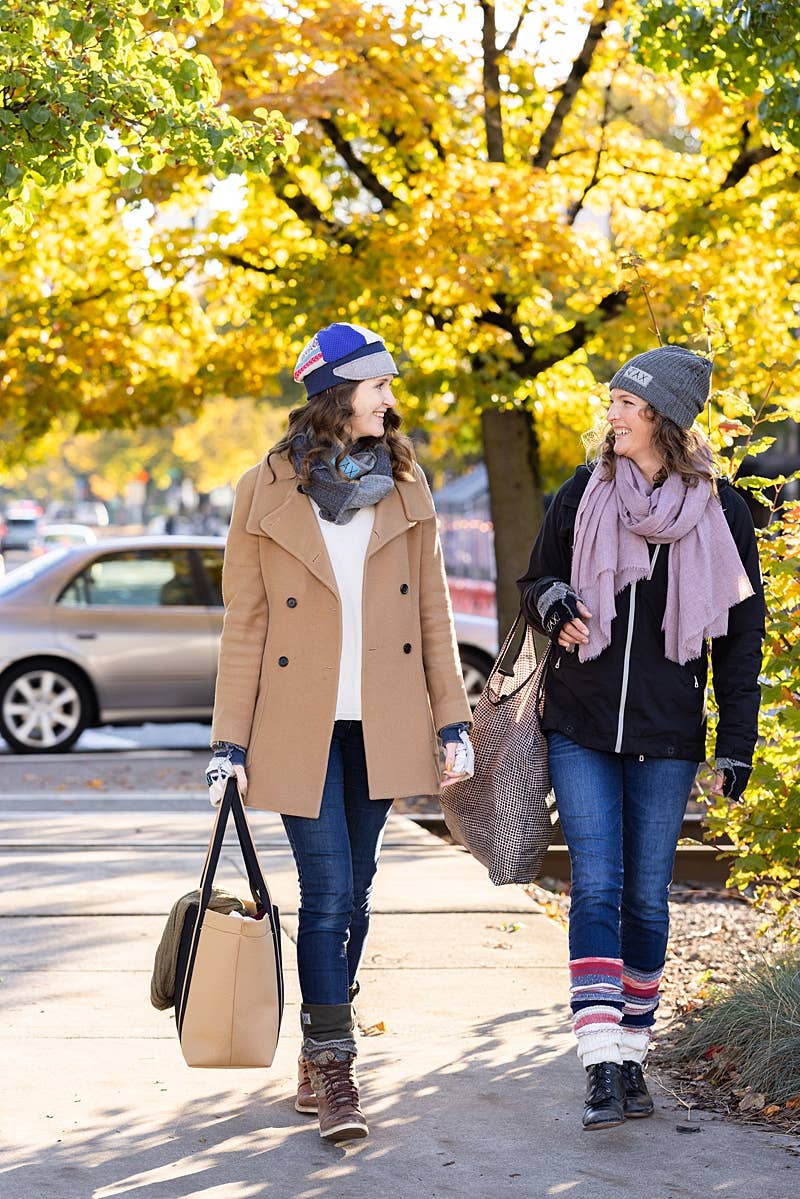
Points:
[(347, 549)]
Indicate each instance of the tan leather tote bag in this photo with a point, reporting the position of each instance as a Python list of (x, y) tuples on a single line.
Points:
[(229, 979)]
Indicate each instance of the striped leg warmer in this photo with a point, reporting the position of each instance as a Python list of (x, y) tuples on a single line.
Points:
[(640, 995), (597, 1007)]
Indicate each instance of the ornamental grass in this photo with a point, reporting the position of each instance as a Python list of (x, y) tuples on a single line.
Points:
[(753, 1028)]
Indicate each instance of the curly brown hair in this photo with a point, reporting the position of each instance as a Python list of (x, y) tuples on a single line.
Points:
[(323, 420), (685, 452)]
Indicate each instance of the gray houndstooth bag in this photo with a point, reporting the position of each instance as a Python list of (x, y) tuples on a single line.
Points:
[(502, 815)]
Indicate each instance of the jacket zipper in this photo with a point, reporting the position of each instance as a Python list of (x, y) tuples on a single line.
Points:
[(626, 662)]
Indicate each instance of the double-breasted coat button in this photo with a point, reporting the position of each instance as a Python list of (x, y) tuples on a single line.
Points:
[(407, 648), (283, 661), (404, 588), (291, 602)]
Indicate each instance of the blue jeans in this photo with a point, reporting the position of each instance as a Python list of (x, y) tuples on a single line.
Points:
[(336, 856), (621, 816)]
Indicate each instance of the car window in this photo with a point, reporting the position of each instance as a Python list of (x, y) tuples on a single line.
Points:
[(212, 564), (134, 579)]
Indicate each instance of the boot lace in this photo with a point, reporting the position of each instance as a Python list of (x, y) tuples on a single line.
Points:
[(340, 1087)]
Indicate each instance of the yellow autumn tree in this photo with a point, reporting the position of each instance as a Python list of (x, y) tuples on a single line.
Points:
[(478, 203), (472, 180)]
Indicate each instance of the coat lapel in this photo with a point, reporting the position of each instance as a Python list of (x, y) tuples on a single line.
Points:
[(281, 512), (399, 511)]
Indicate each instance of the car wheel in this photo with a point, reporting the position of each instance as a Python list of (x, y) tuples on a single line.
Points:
[(44, 707), (475, 668)]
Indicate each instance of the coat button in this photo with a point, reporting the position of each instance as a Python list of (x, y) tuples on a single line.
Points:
[(291, 602), (407, 648), (283, 661), (404, 588)]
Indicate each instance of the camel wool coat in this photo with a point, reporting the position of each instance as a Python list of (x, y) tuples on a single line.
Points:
[(281, 643)]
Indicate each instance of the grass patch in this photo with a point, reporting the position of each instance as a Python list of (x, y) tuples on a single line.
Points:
[(753, 1029)]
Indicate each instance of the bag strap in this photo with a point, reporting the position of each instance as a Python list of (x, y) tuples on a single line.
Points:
[(512, 646), (231, 803), (507, 660)]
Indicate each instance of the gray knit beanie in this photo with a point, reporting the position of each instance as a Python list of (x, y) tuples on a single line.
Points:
[(674, 381)]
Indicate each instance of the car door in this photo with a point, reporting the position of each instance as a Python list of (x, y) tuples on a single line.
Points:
[(211, 558), (140, 622)]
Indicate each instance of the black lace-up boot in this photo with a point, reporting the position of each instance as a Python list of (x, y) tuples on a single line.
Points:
[(605, 1096), (638, 1100)]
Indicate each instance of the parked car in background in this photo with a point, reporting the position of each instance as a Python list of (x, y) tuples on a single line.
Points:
[(85, 512), (53, 536), (125, 631), (20, 527)]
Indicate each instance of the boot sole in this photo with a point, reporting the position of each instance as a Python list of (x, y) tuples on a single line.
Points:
[(599, 1125), (345, 1132), (639, 1115), (306, 1108)]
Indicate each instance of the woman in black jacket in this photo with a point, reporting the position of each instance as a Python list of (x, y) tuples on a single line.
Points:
[(644, 561)]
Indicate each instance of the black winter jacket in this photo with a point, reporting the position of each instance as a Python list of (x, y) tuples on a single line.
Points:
[(632, 699)]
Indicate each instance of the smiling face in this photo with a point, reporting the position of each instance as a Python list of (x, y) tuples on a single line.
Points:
[(370, 402), (632, 423)]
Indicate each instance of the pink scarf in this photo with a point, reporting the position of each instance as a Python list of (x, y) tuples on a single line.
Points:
[(614, 523)]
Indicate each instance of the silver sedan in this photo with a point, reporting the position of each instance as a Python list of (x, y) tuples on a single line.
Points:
[(127, 631)]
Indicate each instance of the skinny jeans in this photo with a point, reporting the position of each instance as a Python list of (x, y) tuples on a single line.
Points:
[(336, 856), (621, 815)]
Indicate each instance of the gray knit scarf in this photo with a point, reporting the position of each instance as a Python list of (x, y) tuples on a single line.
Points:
[(369, 479), (615, 521)]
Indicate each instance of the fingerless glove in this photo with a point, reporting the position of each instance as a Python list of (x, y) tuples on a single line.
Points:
[(557, 606)]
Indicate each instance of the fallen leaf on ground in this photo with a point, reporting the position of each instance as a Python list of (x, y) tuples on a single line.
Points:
[(772, 1109), (374, 1030), (753, 1101)]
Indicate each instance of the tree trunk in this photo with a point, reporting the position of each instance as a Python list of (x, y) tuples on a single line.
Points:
[(511, 452)]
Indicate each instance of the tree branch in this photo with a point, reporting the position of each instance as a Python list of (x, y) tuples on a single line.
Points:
[(531, 360), (511, 41), (306, 210), (365, 175), (746, 159), (236, 260), (571, 86), (492, 110), (577, 205)]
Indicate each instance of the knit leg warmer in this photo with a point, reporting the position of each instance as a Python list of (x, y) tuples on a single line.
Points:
[(640, 994), (597, 1007), (328, 1031)]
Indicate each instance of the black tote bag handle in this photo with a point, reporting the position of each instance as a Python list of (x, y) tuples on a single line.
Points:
[(231, 802)]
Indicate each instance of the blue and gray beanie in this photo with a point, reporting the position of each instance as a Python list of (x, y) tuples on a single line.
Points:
[(341, 353), (674, 381)]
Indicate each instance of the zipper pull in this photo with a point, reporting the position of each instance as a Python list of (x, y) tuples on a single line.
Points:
[(696, 684)]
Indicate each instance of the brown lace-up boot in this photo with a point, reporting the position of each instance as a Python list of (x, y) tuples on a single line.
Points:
[(306, 1100), (333, 1078)]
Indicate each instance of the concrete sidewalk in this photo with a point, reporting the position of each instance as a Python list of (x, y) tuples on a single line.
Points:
[(473, 1089)]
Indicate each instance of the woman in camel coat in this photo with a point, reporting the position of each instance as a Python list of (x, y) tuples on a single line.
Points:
[(339, 684)]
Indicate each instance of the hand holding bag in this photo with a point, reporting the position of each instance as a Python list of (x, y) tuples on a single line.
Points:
[(229, 980), (502, 815)]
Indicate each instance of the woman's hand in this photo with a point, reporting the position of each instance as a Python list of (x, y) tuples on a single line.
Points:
[(575, 632), (459, 759), (730, 781), (228, 762)]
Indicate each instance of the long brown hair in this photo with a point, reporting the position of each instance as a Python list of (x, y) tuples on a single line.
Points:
[(323, 421), (684, 452)]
